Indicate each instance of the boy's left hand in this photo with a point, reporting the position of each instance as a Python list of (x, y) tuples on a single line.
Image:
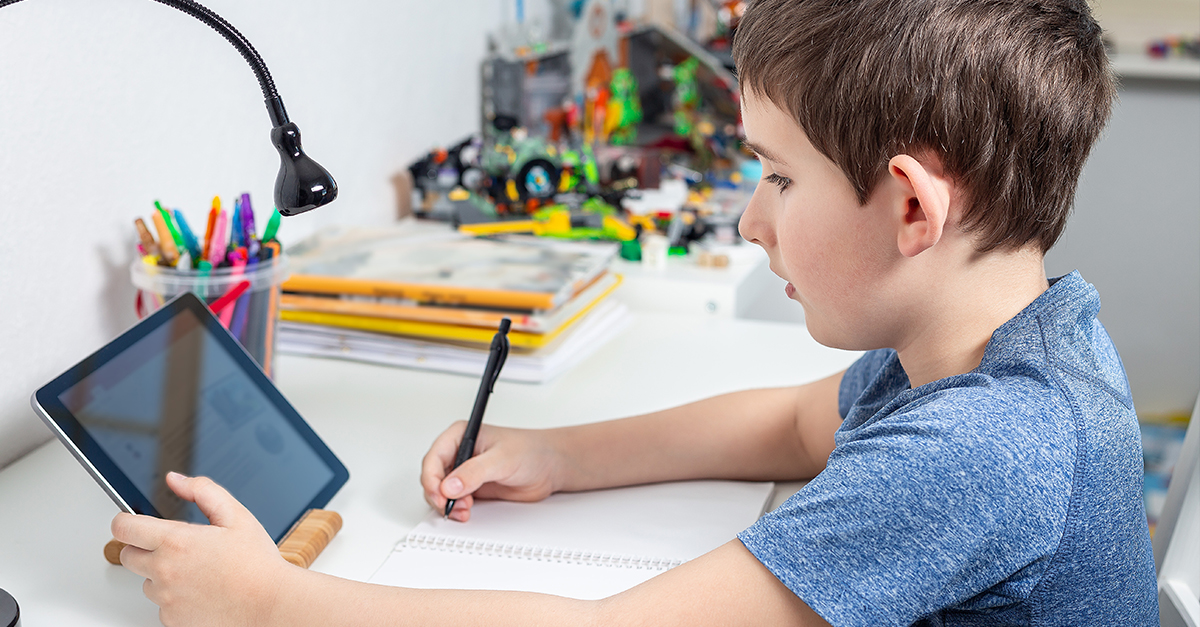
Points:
[(227, 572)]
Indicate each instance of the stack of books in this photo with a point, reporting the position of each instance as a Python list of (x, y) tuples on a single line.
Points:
[(406, 296)]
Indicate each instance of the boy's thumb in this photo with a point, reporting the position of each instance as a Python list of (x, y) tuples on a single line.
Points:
[(214, 502), (467, 478)]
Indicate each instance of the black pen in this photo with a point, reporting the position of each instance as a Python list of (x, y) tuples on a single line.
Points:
[(496, 356)]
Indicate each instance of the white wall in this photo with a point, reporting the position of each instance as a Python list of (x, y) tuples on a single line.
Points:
[(106, 105)]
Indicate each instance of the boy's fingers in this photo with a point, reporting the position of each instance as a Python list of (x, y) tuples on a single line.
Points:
[(445, 447), (438, 461), (462, 508), (136, 560), (150, 589), (432, 472), (146, 532), (214, 502)]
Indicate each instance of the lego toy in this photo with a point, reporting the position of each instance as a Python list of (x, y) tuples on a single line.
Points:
[(594, 220), (687, 96), (624, 109), (608, 130)]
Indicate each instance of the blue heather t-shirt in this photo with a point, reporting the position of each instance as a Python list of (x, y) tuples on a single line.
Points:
[(1010, 495)]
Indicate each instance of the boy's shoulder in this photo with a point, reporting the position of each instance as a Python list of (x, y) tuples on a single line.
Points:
[(1053, 360), (1059, 335)]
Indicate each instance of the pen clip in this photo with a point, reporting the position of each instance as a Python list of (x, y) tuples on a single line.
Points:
[(501, 338), (499, 364)]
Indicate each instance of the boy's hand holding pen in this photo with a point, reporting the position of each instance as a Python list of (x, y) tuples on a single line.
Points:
[(510, 464), (497, 355), (470, 460)]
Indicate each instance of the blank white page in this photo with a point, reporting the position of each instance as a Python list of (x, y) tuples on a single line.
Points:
[(542, 542), (433, 569)]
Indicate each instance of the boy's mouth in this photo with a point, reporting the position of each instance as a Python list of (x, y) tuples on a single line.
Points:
[(790, 290)]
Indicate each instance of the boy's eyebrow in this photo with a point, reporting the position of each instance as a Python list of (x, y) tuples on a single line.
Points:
[(762, 152)]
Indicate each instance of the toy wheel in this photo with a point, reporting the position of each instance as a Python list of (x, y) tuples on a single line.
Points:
[(537, 179), (472, 178)]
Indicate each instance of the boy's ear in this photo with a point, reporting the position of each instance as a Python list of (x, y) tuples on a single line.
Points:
[(922, 204)]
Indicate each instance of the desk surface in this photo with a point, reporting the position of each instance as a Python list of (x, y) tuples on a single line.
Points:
[(380, 421)]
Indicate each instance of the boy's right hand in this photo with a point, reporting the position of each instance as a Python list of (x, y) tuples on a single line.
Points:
[(510, 464)]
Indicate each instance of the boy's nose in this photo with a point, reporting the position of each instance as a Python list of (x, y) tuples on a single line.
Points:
[(752, 226)]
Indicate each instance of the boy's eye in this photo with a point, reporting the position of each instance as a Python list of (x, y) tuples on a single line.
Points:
[(780, 181)]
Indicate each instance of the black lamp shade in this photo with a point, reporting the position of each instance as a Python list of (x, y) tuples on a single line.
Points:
[(302, 184), (10, 614)]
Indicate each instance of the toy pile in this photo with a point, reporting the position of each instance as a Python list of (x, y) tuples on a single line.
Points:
[(613, 129)]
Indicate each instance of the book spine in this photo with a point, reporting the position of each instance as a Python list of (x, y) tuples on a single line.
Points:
[(419, 313), (536, 553), (437, 294), (414, 328)]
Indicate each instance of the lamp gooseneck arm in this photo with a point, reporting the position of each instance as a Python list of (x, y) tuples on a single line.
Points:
[(243, 46)]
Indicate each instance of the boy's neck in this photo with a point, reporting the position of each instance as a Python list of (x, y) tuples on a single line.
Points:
[(960, 312)]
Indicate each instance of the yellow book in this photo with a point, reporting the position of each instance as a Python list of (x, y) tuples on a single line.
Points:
[(454, 332), (528, 321)]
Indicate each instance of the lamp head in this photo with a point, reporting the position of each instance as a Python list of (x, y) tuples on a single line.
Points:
[(10, 613), (302, 184)]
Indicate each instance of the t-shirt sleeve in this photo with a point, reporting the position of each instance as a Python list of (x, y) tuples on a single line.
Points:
[(858, 376), (910, 517)]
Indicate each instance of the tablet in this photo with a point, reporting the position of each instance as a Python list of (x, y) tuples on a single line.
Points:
[(177, 392)]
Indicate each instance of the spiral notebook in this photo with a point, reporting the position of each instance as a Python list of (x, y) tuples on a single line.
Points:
[(583, 545)]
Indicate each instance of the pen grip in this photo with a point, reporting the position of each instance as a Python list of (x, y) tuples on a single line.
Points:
[(466, 448)]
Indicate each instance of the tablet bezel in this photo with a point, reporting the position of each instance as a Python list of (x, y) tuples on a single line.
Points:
[(101, 466)]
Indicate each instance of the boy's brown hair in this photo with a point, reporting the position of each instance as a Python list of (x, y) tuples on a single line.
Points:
[(1009, 94)]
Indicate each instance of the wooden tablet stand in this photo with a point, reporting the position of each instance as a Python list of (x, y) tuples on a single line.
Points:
[(300, 546)]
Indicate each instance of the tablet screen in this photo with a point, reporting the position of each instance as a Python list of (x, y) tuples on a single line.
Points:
[(177, 394)]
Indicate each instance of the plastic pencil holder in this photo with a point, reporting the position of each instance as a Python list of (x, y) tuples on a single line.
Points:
[(251, 317)]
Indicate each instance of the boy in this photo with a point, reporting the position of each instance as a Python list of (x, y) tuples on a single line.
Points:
[(981, 465)]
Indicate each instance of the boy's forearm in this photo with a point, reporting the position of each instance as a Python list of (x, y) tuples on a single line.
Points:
[(726, 587), (768, 434)]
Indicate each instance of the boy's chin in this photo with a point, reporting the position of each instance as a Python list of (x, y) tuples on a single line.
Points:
[(820, 332), (832, 336)]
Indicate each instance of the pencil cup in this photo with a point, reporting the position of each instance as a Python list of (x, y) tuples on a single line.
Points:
[(252, 309)]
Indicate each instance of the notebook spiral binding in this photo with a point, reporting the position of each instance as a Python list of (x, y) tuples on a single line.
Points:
[(542, 554)]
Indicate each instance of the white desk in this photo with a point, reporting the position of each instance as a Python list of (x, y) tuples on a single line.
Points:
[(380, 421)]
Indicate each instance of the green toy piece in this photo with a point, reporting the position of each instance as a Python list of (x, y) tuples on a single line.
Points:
[(631, 250), (590, 172), (687, 96), (624, 109), (597, 205)]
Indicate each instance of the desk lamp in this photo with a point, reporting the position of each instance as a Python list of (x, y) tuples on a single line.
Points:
[(302, 184)]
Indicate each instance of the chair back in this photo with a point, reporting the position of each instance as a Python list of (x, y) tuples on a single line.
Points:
[(1177, 537)]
